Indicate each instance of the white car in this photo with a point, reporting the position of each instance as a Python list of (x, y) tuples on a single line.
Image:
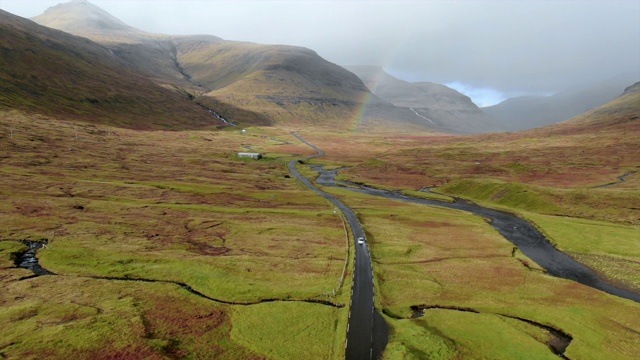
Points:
[(360, 240)]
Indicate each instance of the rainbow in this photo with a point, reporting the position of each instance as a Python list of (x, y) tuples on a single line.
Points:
[(357, 116), (364, 100)]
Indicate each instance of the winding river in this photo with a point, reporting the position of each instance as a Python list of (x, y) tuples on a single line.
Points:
[(515, 229)]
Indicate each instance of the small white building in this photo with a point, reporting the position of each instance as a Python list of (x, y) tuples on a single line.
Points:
[(252, 155)]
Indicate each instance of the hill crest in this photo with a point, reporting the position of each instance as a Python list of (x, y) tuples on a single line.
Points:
[(446, 108), (80, 17), (52, 72), (274, 83), (528, 112)]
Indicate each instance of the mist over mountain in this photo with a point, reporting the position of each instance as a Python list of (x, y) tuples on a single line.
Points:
[(444, 107), (533, 111), (247, 82), (82, 18), (548, 46), (278, 84)]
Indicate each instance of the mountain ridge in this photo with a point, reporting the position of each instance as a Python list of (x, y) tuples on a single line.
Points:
[(528, 112), (52, 72), (82, 18), (268, 83), (446, 108)]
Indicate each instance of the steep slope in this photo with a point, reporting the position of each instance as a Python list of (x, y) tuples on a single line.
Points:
[(533, 111), (445, 107), (82, 18), (151, 54), (620, 116), (49, 71), (246, 82)]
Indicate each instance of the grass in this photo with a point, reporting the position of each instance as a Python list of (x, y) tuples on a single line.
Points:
[(614, 205), (612, 249), (442, 257), (162, 206), (87, 318), (178, 206), (509, 195), (447, 334), (290, 331), (428, 195)]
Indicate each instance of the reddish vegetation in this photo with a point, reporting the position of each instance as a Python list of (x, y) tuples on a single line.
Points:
[(589, 150), (166, 319), (129, 352)]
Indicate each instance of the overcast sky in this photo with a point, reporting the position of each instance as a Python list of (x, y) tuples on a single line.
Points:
[(487, 49)]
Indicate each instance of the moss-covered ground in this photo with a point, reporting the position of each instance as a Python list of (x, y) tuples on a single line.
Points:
[(483, 299), (168, 208)]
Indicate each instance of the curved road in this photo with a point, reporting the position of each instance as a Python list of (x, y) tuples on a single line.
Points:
[(367, 331)]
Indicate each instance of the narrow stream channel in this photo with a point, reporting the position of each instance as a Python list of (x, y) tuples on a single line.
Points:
[(515, 229), (28, 259)]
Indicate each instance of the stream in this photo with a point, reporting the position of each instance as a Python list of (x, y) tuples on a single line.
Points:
[(521, 233), (622, 178), (28, 259)]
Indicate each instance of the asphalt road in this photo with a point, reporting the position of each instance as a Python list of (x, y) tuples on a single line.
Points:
[(367, 332)]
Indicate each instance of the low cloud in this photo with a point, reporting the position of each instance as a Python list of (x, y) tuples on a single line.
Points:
[(502, 47)]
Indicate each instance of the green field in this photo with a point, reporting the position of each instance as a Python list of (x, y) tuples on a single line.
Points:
[(165, 208), (456, 263), (131, 215)]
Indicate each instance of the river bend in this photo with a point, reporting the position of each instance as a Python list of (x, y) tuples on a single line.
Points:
[(515, 229)]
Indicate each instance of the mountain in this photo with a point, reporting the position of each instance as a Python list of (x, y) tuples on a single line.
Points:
[(246, 82), (52, 72), (87, 20), (533, 111), (444, 107), (620, 115)]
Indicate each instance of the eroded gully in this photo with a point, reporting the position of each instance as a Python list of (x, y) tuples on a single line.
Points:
[(515, 229), (28, 259)]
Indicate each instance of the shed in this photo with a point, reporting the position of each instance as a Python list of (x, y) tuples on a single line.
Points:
[(252, 155)]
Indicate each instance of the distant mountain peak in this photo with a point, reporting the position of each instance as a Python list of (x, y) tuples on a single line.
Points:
[(84, 18), (633, 88), (438, 104)]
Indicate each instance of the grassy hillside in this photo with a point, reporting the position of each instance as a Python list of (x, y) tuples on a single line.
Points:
[(619, 115), (51, 72), (288, 84), (553, 170), (260, 84), (472, 294), (528, 112)]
